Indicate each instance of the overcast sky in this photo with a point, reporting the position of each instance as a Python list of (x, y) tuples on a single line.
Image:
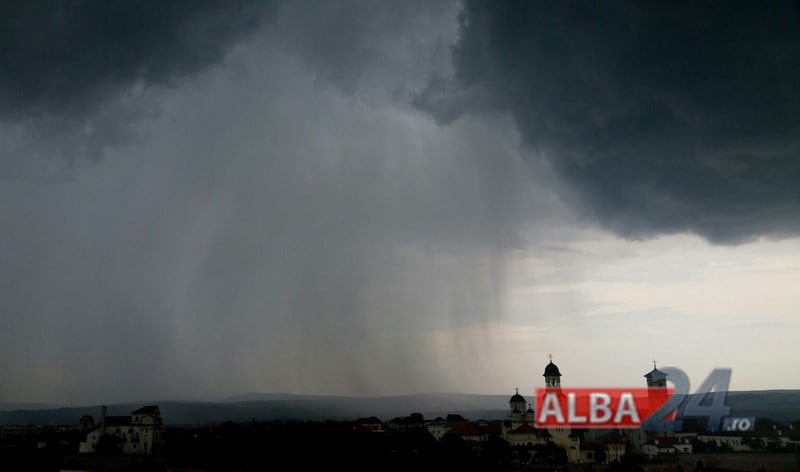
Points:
[(200, 198)]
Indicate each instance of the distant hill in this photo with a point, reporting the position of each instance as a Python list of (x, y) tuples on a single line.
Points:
[(778, 405), (27, 406), (262, 407)]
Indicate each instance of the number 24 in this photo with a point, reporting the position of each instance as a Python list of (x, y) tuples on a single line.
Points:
[(716, 385)]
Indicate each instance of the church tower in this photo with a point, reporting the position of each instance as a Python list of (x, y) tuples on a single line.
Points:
[(656, 378), (518, 413), (552, 376), (561, 436), (517, 403)]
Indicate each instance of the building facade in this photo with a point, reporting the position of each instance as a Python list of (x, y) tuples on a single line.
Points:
[(139, 433)]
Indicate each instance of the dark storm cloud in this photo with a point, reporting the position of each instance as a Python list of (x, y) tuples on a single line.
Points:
[(74, 75), (661, 117), (356, 45), (270, 229), (64, 57)]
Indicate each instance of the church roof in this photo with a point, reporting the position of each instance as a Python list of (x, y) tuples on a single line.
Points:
[(655, 374), (517, 398), (551, 370)]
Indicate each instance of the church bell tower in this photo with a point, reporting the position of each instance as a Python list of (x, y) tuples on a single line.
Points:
[(552, 376)]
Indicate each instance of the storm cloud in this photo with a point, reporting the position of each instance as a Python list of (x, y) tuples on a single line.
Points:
[(201, 199), (65, 57), (75, 75), (659, 118), (277, 218)]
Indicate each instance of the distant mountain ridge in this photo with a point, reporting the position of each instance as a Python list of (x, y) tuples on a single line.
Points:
[(779, 405)]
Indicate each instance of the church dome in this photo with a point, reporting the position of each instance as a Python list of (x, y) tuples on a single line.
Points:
[(517, 398), (551, 370)]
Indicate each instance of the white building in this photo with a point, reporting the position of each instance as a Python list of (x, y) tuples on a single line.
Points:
[(438, 428), (736, 443), (139, 433)]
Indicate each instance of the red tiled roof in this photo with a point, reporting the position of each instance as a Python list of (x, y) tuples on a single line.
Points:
[(465, 428), (370, 420), (492, 429), (524, 429)]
